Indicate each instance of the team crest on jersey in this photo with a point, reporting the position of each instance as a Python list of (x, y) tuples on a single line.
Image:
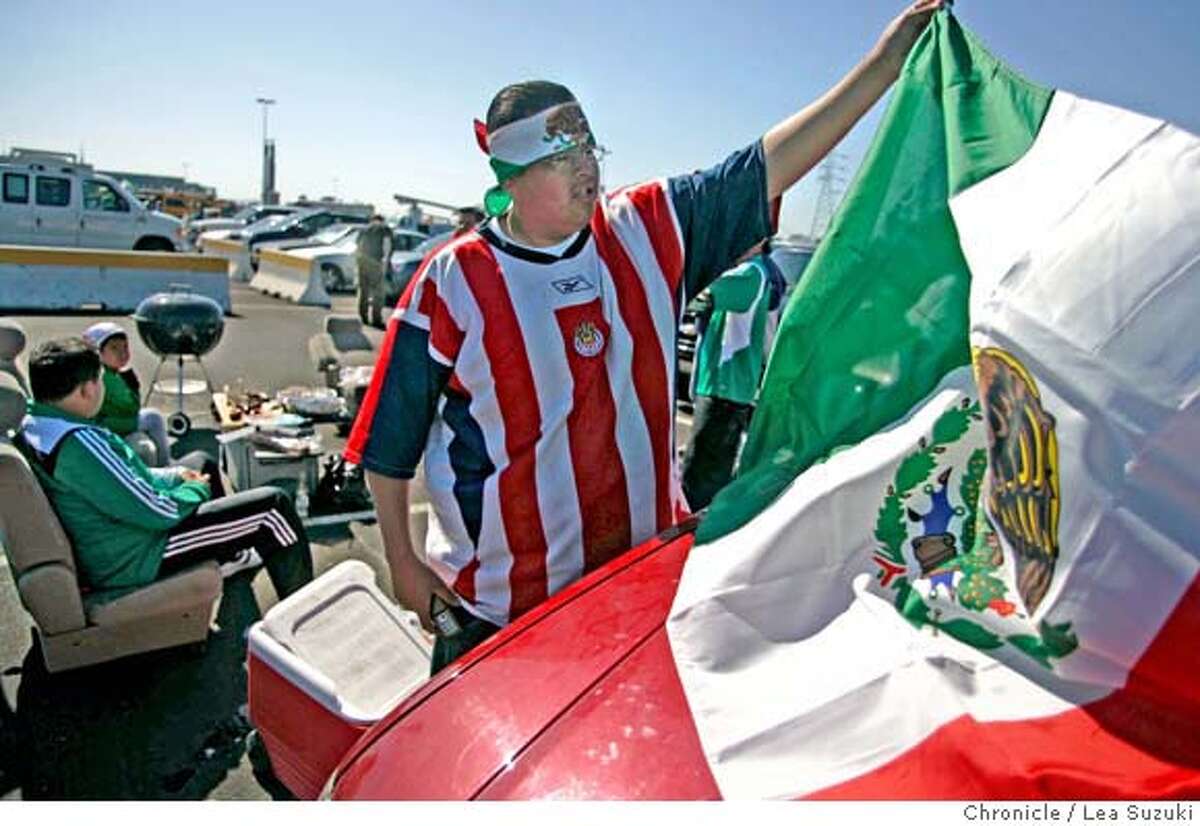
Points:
[(589, 341)]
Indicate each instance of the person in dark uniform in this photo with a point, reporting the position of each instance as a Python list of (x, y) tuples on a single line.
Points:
[(374, 251)]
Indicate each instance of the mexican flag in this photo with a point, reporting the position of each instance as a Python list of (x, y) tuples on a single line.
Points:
[(960, 559)]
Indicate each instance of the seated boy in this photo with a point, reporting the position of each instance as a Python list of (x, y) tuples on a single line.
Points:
[(130, 524), (123, 414)]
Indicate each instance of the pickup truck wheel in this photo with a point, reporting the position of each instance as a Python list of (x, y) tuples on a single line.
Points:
[(154, 243)]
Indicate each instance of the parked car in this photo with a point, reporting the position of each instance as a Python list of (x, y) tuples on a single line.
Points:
[(237, 234), (685, 346), (331, 235), (335, 246), (407, 240), (301, 225), (608, 719), (406, 258), (59, 203), (791, 259), (242, 218)]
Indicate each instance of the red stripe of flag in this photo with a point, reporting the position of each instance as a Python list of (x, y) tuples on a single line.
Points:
[(591, 432), (651, 203), (649, 371), (1141, 741), (517, 399)]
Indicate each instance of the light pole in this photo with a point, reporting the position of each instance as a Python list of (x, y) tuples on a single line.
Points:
[(265, 102), (268, 173)]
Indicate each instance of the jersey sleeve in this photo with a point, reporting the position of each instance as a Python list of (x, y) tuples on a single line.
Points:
[(414, 365), (722, 212)]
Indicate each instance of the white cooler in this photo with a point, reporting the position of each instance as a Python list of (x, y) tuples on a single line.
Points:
[(324, 665)]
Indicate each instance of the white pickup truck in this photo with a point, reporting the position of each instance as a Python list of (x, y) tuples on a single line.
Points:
[(52, 201)]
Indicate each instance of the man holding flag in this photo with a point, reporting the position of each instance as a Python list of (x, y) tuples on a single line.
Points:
[(531, 361)]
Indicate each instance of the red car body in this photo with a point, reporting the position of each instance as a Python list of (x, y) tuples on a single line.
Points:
[(578, 699)]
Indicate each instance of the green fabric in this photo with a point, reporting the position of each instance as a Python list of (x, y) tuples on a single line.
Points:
[(117, 537), (505, 170), (881, 314), (740, 290), (119, 413), (496, 200)]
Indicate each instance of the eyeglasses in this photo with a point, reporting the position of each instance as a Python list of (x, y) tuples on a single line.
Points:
[(576, 157)]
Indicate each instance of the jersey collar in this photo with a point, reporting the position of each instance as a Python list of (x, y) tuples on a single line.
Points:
[(492, 233)]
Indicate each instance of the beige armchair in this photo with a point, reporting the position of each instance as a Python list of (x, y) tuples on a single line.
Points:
[(77, 629), (341, 343)]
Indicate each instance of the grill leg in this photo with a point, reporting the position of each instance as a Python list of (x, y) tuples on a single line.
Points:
[(153, 381), (180, 385), (207, 378)]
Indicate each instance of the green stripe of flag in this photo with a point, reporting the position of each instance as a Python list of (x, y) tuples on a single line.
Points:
[(881, 314)]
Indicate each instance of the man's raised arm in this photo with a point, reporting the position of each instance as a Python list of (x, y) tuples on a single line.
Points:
[(799, 143)]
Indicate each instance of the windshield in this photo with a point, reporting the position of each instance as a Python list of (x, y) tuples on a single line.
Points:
[(294, 218), (430, 243), (791, 262), (127, 188), (272, 222), (404, 240), (332, 235)]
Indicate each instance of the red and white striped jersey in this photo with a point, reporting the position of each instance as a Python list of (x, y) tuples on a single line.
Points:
[(539, 385)]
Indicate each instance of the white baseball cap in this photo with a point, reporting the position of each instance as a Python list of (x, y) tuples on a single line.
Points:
[(101, 332)]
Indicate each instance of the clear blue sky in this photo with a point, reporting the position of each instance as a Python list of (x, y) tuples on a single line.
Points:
[(376, 98)]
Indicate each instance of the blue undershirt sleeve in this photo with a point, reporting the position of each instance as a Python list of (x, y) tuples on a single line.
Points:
[(408, 403), (722, 212)]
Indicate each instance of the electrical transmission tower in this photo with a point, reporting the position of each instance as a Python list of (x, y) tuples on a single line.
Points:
[(831, 178)]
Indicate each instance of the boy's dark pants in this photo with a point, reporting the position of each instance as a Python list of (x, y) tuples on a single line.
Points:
[(263, 519)]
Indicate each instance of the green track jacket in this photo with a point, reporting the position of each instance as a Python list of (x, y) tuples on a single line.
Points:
[(119, 413), (116, 511)]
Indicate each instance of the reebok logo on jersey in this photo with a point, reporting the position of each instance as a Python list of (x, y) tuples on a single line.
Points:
[(572, 285)]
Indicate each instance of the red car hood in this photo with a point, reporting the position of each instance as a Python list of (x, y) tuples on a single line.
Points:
[(579, 699)]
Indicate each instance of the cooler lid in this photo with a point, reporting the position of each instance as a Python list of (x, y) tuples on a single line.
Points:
[(342, 626)]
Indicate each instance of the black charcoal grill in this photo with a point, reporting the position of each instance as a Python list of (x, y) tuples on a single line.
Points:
[(177, 324)]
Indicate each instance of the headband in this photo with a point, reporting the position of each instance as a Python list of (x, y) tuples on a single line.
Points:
[(516, 146)]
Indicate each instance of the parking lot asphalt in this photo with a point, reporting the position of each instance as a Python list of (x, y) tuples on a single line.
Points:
[(172, 725)]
